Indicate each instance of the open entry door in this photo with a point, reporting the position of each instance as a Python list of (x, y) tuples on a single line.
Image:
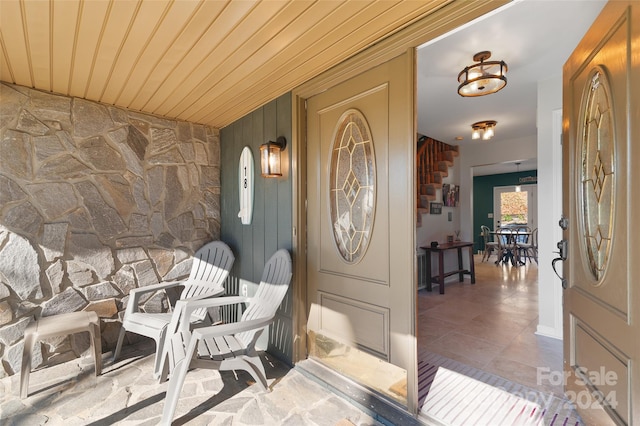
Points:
[(360, 238), (601, 148)]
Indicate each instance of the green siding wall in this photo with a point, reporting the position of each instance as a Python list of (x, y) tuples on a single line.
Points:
[(483, 198), (271, 225)]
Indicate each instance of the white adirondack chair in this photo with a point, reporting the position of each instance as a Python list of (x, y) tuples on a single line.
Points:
[(211, 266), (225, 346)]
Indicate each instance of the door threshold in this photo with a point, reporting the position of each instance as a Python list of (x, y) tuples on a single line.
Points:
[(370, 402)]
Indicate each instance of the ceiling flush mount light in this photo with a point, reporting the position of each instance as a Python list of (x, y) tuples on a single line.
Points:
[(482, 78), (270, 157), (483, 129)]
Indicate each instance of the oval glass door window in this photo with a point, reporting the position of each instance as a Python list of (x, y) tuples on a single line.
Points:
[(352, 185), (597, 172)]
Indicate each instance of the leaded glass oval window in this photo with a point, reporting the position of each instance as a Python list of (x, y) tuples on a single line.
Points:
[(352, 185), (597, 171)]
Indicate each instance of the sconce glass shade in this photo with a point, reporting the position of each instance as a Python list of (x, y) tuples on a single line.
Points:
[(482, 78), (270, 162)]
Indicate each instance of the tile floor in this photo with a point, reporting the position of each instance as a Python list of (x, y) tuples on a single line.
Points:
[(491, 325)]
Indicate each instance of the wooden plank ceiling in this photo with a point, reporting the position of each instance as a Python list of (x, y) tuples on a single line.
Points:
[(203, 61)]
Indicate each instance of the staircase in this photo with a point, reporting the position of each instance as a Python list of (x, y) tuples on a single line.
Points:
[(433, 161)]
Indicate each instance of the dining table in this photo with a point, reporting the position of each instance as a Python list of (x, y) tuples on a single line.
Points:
[(508, 238)]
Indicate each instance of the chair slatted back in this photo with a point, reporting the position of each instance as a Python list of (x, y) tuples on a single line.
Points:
[(211, 266), (271, 291), (504, 238), (524, 232), (486, 233)]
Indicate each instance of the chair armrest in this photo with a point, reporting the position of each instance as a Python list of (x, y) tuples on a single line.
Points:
[(193, 304), (233, 328), (186, 307), (136, 293)]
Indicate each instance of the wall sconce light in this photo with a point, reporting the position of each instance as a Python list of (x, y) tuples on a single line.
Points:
[(270, 157), (482, 78), (483, 129)]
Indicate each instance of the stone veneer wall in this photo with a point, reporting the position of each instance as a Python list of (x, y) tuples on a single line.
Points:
[(94, 201)]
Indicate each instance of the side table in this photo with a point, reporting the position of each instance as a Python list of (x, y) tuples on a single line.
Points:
[(58, 325), (440, 249)]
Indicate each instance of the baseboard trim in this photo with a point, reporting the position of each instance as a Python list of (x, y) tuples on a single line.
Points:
[(552, 332)]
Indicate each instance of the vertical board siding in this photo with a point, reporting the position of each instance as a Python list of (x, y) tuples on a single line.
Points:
[(271, 223), (258, 221), (285, 191), (270, 185), (247, 240)]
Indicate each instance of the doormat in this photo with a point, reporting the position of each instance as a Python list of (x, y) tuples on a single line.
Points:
[(528, 408), (456, 399)]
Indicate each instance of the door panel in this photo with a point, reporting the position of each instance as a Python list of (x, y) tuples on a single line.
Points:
[(602, 301), (366, 281), (360, 307), (368, 324), (373, 266)]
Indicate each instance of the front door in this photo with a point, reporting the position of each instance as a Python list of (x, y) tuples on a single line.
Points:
[(360, 215), (601, 149)]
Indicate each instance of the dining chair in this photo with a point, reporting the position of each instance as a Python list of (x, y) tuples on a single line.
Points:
[(505, 237), (529, 248), (489, 245), (523, 234), (209, 270)]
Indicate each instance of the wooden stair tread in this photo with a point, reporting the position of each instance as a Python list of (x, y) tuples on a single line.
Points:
[(434, 158), (435, 185)]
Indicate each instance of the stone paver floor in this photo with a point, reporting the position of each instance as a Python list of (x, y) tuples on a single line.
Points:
[(126, 394)]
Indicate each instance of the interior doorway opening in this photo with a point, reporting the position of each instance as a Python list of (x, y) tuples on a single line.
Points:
[(516, 139)]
